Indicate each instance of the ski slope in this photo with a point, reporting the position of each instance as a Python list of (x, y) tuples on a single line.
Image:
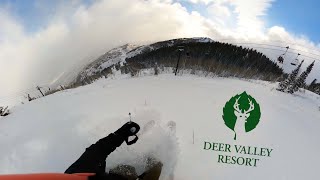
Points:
[(177, 115)]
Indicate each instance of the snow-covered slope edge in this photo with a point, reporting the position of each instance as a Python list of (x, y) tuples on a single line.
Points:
[(48, 134)]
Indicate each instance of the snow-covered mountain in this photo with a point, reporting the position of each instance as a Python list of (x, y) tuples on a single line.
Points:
[(178, 115), (120, 54)]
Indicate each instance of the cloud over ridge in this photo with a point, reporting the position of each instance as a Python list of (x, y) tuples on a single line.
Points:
[(78, 32)]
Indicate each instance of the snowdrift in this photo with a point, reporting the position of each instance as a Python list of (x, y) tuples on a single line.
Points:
[(177, 115)]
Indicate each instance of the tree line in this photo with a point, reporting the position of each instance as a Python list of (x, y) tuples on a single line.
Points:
[(294, 81), (222, 59)]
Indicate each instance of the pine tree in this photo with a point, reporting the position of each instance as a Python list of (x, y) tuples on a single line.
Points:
[(313, 82), (312, 85), (301, 81), (317, 90), (284, 85)]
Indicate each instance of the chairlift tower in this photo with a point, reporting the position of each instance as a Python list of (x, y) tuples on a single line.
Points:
[(180, 50)]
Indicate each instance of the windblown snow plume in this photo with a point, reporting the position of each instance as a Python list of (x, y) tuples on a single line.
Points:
[(156, 141)]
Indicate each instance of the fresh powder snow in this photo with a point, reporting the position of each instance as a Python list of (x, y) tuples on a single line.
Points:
[(177, 115)]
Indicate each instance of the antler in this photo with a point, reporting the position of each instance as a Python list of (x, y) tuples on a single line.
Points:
[(236, 106), (250, 108)]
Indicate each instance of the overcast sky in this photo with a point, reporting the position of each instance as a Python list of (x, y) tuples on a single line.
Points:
[(42, 40)]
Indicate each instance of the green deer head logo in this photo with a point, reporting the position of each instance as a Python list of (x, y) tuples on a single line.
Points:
[(241, 114)]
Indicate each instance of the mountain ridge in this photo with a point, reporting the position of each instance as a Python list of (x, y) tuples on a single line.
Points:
[(119, 54), (223, 56)]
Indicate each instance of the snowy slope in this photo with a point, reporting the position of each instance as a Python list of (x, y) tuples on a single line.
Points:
[(119, 54), (48, 134), (111, 57)]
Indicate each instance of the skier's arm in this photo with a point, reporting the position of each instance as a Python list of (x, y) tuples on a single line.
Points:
[(93, 159)]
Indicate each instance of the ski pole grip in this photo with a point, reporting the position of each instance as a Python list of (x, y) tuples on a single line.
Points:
[(127, 130)]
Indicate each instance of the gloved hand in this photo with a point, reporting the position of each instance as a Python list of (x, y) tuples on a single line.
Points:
[(127, 130), (93, 159)]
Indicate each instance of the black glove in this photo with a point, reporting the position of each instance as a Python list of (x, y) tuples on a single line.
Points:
[(127, 130), (93, 159)]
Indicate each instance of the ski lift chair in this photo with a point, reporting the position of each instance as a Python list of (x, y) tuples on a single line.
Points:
[(295, 61), (280, 59)]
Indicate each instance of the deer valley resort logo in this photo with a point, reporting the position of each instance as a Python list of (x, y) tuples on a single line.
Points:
[(241, 114)]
